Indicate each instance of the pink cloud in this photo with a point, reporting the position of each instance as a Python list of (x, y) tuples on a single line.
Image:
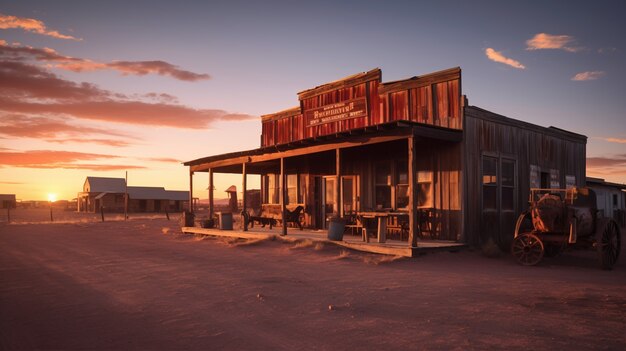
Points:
[(75, 64), (30, 25), (544, 41), (616, 140), (29, 89), (607, 166), (589, 75), (497, 56), (51, 128), (50, 159)]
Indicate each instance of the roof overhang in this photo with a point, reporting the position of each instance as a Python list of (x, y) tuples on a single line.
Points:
[(386, 132)]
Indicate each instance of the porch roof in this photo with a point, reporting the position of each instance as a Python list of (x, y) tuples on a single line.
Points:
[(356, 137)]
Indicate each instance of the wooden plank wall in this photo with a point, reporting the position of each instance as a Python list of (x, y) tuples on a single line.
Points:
[(528, 144), (418, 104), (364, 89), (433, 99)]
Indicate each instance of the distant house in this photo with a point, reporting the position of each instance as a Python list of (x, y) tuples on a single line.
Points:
[(7, 201), (611, 198), (110, 194)]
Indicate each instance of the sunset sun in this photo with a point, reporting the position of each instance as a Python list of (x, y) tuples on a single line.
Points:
[(52, 197)]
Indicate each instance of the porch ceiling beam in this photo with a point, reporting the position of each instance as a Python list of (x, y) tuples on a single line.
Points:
[(301, 151)]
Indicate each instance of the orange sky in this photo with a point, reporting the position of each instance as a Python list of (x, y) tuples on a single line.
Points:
[(96, 89)]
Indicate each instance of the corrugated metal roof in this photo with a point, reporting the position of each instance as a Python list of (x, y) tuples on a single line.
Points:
[(102, 184), (179, 195), (146, 193)]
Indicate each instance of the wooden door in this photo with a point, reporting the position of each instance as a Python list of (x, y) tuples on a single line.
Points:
[(349, 195), (499, 200), (329, 198)]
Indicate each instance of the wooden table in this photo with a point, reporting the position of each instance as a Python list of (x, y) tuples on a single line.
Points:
[(381, 218)]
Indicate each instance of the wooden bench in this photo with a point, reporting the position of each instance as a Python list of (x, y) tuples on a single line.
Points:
[(290, 217)]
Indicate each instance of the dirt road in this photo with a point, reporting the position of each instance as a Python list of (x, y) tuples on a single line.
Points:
[(141, 285)]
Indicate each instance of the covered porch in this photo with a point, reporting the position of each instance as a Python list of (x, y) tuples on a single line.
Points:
[(402, 168), (390, 247)]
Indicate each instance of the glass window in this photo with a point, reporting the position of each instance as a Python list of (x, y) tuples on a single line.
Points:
[(555, 183), (383, 173), (292, 189), (402, 173), (490, 174), (490, 183), (273, 190), (424, 189), (329, 203), (535, 180), (508, 185), (383, 185), (402, 185), (489, 198), (508, 172), (402, 196), (383, 197), (570, 181)]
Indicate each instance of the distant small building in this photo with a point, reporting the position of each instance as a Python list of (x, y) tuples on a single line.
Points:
[(7, 201), (611, 198), (110, 194)]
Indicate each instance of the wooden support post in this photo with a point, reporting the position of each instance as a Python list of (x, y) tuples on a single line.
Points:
[(9, 214), (126, 196), (190, 190), (338, 187), (413, 212), (244, 197), (101, 212), (211, 208), (283, 195), (51, 219)]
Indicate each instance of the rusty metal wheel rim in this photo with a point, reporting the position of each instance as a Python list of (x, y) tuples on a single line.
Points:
[(528, 249), (609, 245)]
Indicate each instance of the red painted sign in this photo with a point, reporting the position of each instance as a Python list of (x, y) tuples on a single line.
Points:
[(336, 112)]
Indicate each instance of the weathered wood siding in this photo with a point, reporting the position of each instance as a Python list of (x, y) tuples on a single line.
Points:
[(433, 99), (489, 134)]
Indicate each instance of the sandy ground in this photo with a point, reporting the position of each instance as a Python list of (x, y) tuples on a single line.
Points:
[(140, 284)]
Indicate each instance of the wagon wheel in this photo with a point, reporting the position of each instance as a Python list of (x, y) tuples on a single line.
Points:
[(608, 243), (527, 249)]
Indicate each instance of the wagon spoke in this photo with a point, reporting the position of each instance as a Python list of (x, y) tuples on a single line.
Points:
[(527, 249)]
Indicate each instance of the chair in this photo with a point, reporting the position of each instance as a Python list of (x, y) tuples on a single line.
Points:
[(353, 223)]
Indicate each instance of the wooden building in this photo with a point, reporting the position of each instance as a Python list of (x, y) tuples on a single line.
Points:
[(611, 199), (7, 201), (413, 150), (110, 194)]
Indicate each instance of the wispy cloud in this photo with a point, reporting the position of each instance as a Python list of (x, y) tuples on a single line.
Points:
[(76, 64), (616, 140), (107, 142), (589, 75), (607, 166), (51, 159), (497, 56), (163, 159), (29, 89), (31, 25), (58, 130), (544, 41)]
